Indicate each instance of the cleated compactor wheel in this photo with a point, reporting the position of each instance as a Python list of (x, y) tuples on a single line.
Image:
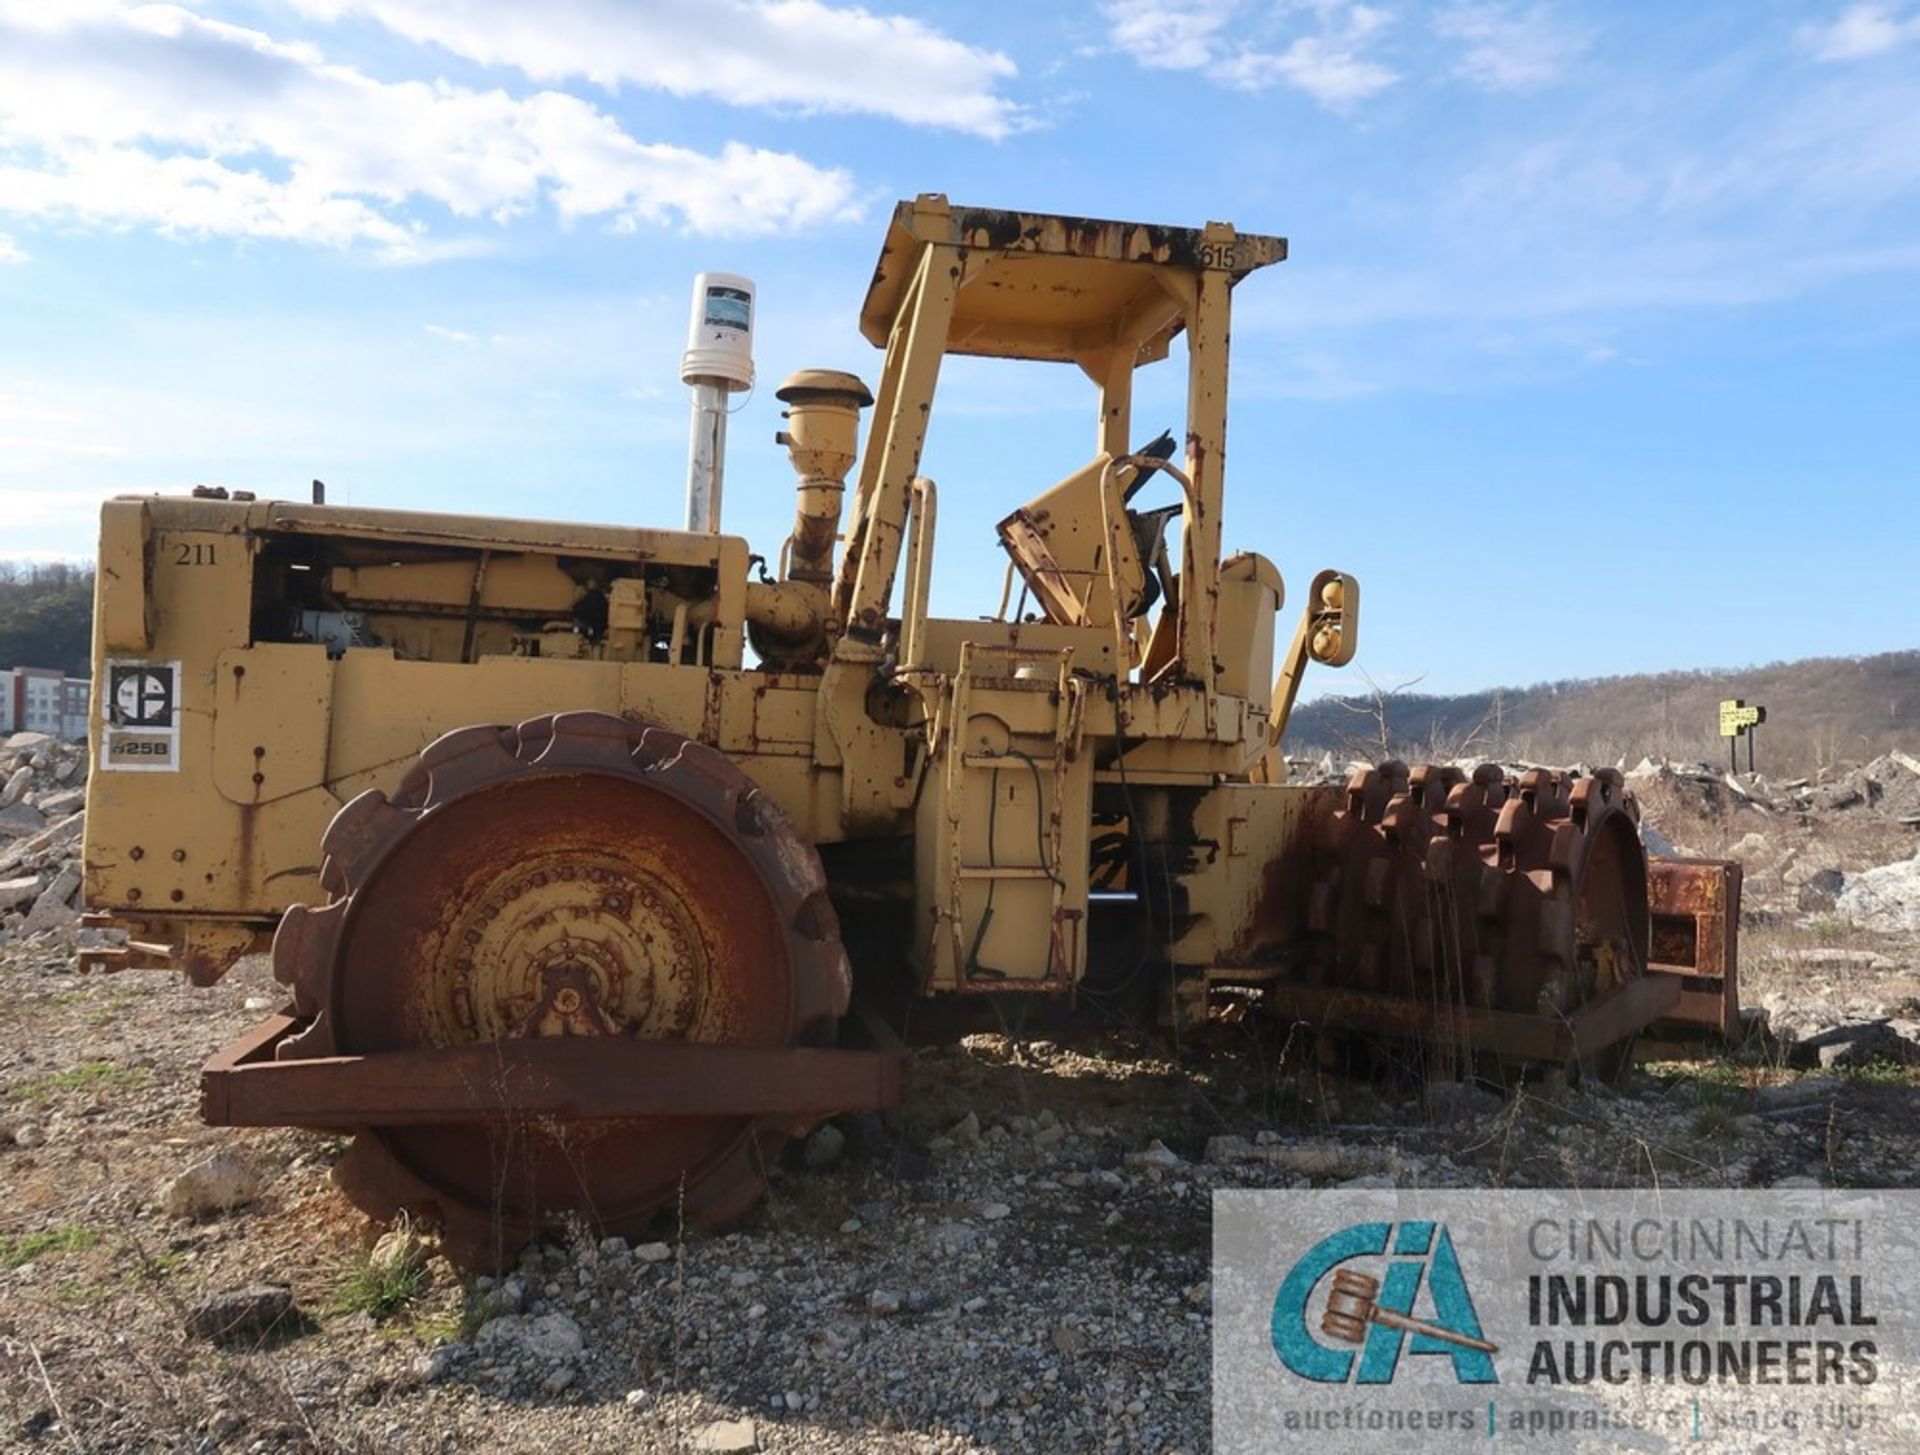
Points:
[(1486, 925), (577, 876)]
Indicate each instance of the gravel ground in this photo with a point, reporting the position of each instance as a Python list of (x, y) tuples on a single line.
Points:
[(1019, 1262), (1016, 1261)]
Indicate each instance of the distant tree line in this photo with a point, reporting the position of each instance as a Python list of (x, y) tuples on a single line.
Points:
[(1821, 712), (46, 616)]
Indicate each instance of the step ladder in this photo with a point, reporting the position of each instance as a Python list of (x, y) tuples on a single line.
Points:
[(1012, 820)]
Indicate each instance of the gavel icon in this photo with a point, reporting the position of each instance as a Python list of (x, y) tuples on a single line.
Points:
[(1354, 1303)]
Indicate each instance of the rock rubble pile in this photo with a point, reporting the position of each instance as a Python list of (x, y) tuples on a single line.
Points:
[(43, 799)]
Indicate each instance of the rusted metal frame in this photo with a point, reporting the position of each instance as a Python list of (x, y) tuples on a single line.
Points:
[(1066, 736), (1113, 517), (256, 1043), (1707, 891), (1293, 670), (1111, 369), (570, 1078), (1510, 1035), (930, 218), (923, 502), (1111, 360), (880, 421), (1066, 746), (1152, 316), (955, 769), (905, 433), (473, 604), (1206, 463)]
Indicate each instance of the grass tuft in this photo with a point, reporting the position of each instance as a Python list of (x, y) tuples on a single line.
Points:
[(379, 1287), (29, 1247), (93, 1076), (1716, 1121)]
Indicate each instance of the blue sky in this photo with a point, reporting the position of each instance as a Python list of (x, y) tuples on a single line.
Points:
[(1597, 350)]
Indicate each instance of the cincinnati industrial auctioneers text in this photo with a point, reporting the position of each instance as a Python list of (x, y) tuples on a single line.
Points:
[(1701, 1327), (1375, 1321)]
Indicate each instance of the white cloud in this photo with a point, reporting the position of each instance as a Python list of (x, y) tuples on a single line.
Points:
[(1508, 49), (1863, 30), (800, 54), (1170, 35), (149, 115), (10, 251), (452, 335), (1238, 47)]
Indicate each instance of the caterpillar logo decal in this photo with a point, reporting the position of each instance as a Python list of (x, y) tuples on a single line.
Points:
[(140, 717)]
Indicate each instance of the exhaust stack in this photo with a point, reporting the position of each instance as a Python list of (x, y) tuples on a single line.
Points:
[(788, 620), (718, 362), (823, 418)]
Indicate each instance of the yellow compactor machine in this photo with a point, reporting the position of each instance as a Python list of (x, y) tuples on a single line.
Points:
[(573, 842)]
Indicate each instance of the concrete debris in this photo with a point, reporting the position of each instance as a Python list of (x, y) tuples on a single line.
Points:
[(438, 1364), (1808, 1091), (42, 795), (544, 1339), (21, 820), (1228, 1150), (1815, 888), (1887, 898), (243, 1316), (1837, 961), (1461, 1101), (1811, 1030), (727, 1437), (1157, 1158), (218, 1184), (54, 908), (1888, 786), (16, 785), (1861, 1043), (825, 1147), (1330, 1160)]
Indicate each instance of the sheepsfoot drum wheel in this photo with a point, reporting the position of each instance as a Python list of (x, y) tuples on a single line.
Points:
[(579, 879), (1481, 924)]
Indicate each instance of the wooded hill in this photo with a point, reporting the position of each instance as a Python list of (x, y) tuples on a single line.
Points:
[(46, 616), (1821, 711)]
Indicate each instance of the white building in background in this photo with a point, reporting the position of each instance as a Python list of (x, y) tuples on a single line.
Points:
[(43, 700)]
